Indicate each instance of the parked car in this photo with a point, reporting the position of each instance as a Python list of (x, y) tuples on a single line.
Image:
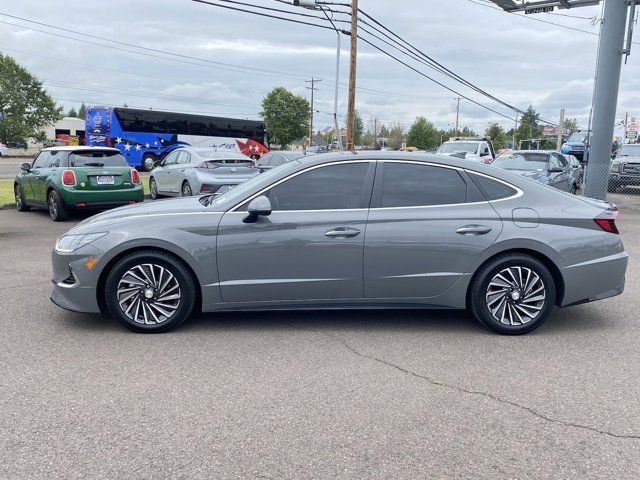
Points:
[(469, 148), (576, 145), (625, 168), (4, 151), (578, 169), (318, 149), (550, 168), (76, 178), (441, 232), (194, 170), (275, 158)]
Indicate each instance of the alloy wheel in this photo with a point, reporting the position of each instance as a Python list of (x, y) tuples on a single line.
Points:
[(515, 295), (18, 197), (186, 190), (53, 205), (153, 188), (148, 294)]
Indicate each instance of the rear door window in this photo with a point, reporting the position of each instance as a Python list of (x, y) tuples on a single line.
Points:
[(414, 185)]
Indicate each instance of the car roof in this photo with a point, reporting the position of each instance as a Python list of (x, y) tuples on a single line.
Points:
[(214, 153), (72, 148), (546, 152)]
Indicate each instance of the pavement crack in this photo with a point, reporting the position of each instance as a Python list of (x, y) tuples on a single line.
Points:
[(483, 394)]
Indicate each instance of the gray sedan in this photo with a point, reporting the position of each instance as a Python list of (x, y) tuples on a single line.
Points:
[(365, 230), (193, 170), (275, 158)]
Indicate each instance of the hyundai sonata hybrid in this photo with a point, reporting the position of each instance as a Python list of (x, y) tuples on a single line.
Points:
[(365, 230)]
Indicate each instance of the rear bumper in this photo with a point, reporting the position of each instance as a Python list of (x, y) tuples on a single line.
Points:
[(102, 199), (594, 280)]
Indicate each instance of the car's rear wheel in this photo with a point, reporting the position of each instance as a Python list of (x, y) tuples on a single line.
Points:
[(57, 209), (186, 189), (153, 189), (21, 206), (150, 292), (148, 162), (512, 294)]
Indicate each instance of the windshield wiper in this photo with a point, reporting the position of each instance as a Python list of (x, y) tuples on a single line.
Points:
[(93, 164)]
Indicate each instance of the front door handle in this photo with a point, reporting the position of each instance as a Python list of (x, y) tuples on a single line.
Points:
[(473, 230), (342, 232)]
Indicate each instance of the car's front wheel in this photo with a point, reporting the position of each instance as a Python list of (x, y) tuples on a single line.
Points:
[(150, 291), (21, 206), (512, 294), (57, 210)]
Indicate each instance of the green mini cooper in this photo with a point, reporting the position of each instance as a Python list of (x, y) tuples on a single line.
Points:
[(65, 178)]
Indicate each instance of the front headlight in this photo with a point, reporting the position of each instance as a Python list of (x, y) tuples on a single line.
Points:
[(615, 167), (70, 243)]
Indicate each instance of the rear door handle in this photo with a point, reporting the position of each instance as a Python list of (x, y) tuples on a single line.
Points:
[(473, 230), (342, 232)]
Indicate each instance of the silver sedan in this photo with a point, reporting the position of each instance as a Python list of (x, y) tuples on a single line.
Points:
[(364, 230), (190, 171)]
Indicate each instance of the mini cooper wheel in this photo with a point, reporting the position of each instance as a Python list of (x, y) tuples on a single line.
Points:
[(186, 190), (513, 294), (57, 210), (150, 292), (153, 189), (21, 206)]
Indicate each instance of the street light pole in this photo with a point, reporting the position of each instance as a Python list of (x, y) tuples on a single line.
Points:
[(351, 104)]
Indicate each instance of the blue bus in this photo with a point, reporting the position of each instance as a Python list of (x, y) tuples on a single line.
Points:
[(146, 136)]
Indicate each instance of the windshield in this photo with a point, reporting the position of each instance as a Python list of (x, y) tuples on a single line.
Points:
[(97, 159), (522, 161), (237, 194), (454, 147), (578, 137), (630, 151)]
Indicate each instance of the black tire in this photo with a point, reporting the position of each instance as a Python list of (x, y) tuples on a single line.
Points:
[(153, 189), (574, 189), (186, 190), (21, 206), (148, 162), (186, 291), (480, 295), (57, 209)]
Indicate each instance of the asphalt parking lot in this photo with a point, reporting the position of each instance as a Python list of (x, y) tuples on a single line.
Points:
[(373, 394)]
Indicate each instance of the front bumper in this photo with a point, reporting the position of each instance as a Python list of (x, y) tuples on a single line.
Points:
[(595, 279), (74, 284), (618, 179)]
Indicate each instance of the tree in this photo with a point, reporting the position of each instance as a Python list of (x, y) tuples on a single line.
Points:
[(82, 111), (529, 127), (423, 135), (396, 136), (25, 107), (72, 112), (467, 132), (570, 126), (368, 139), (358, 129), (285, 115), (496, 134)]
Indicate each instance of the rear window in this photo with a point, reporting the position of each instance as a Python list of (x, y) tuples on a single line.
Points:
[(97, 159), (493, 189)]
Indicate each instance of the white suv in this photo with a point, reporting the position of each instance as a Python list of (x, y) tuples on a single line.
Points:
[(474, 149)]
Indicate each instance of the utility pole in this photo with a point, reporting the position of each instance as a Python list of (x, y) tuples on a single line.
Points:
[(560, 130), (313, 88), (351, 105), (610, 50), (513, 141), (626, 119), (457, 114), (375, 131)]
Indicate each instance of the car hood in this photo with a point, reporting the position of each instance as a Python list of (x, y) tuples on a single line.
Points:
[(157, 207), (532, 174), (465, 155), (628, 158)]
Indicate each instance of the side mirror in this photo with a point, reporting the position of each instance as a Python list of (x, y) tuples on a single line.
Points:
[(25, 166), (556, 170), (258, 207)]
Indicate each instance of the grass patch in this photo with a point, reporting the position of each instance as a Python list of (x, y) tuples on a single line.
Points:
[(6, 191)]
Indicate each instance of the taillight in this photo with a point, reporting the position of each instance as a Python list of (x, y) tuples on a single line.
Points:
[(68, 178), (607, 220), (201, 165), (135, 176)]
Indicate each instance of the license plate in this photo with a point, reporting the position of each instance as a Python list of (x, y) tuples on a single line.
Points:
[(105, 179)]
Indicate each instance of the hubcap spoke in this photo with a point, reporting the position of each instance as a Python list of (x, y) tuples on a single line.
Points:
[(515, 295), (149, 294)]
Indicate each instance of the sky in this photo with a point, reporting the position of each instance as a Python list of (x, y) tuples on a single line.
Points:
[(226, 61)]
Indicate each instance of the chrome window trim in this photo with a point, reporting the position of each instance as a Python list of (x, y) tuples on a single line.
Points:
[(519, 191), (295, 174)]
